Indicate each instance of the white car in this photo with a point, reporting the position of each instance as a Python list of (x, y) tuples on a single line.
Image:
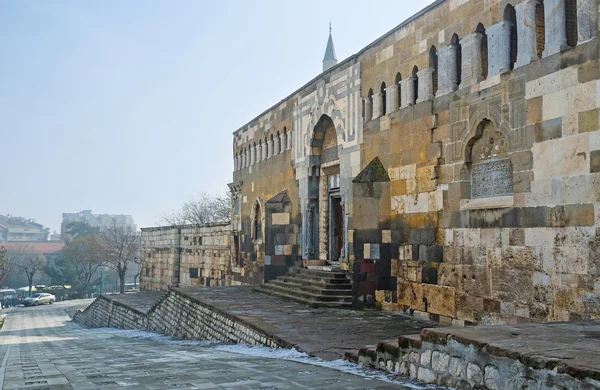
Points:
[(38, 299)]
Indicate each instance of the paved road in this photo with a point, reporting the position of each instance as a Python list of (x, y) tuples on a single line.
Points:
[(40, 348)]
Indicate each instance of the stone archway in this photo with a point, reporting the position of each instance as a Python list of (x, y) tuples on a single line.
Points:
[(325, 209)]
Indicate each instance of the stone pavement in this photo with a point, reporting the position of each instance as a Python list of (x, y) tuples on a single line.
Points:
[(41, 349), (325, 333)]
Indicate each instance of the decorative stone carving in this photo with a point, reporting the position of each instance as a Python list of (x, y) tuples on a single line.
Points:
[(391, 94), (555, 27), (471, 56), (368, 109), (447, 75), (377, 105), (587, 20), (491, 178), (499, 48), (310, 215), (408, 92), (425, 85), (526, 47)]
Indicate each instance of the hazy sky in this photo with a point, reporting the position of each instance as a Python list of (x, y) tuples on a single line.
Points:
[(127, 107)]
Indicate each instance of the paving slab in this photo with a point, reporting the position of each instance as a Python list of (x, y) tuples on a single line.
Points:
[(141, 302), (321, 332)]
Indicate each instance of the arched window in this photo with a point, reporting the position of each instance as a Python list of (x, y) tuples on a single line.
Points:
[(490, 167), (456, 41), (271, 146), (397, 82), (260, 150), (277, 143), (484, 50), (267, 148), (540, 28), (415, 76), (433, 63), (571, 22), (370, 96), (254, 159), (383, 99), (510, 17), (284, 141)]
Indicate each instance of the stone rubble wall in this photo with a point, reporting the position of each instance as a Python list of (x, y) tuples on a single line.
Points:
[(107, 313), (180, 316), (466, 367)]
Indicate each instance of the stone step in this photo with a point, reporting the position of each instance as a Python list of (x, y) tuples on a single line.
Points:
[(314, 283), (306, 302), (320, 273), (308, 295), (320, 279), (293, 285)]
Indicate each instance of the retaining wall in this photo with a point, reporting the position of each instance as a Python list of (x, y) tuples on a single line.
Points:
[(180, 316)]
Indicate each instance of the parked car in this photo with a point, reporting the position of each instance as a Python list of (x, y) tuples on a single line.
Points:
[(38, 299)]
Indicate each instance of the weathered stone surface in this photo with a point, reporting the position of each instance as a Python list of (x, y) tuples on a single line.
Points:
[(474, 373)]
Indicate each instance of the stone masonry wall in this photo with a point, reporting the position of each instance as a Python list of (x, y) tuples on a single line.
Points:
[(180, 316), (464, 366), (107, 313), (186, 256)]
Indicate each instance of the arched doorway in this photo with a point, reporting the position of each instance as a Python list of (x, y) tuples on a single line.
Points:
[(325, 219)]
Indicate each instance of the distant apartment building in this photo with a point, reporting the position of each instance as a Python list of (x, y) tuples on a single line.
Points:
[(100, 221), (17, 229)]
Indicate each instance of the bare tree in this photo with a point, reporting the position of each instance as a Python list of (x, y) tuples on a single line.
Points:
[(201, 210), (28, 260), (121, 246), (6, 266), (85, 256)]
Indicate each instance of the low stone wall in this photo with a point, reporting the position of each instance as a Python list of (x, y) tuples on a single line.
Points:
[(180, 316), (464, 365), (108, 313)]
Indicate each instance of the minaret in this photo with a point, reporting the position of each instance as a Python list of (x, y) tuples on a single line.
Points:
[(329, 60)]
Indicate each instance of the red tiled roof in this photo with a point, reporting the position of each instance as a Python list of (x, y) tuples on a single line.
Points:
[(41, 247)]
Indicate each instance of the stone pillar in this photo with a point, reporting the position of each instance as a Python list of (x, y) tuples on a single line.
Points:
[(555, 26), (244, 159), (527, 46), (289, 140), (270, 148), (407, 87), (368, 108), (391, 94), (263, 151), (471, 59), (447, 69), (276, 145), (252, 155), (309, 231), (587, 20), (377, 106), (284, 142), (425, 85), (323, 216), (498, 48), (235, 163)]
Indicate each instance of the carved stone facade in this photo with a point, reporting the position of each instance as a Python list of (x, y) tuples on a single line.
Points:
[(467, 190)]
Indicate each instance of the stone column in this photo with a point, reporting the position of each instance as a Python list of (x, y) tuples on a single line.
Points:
[(244, 159), (262, 152), (368, 108), (527, 46), (555, 26), (377, 106), (391, 94), (447, 74), (407, 87), (498, 48), (284, 142), (587, 20), (289, 140), (309, 231), (276, 145), (425, 85), (252, 155), (471, 59), (235, 163)]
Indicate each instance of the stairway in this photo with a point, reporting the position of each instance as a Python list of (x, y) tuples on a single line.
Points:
[(312, 287)]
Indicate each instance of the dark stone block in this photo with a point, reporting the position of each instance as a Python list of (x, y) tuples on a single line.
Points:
[(535, 216), (547, 130), (367, 287), (388, 283), (429, 275), (383, 267), (361, 276), (394, 251), (367, 267), (397, 236), (595, 161), (491, 305), (385, 251), (415, 252), (372, 277)]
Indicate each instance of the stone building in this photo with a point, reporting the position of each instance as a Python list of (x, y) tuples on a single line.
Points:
[(452, 167), (185, 256)]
